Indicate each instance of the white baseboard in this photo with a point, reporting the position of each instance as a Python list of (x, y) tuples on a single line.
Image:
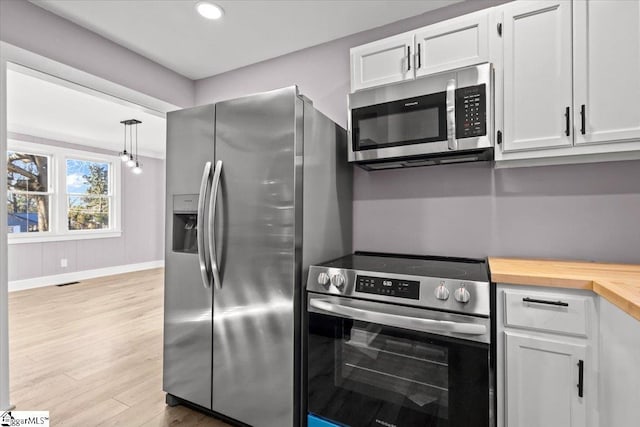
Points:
[(58, 279)]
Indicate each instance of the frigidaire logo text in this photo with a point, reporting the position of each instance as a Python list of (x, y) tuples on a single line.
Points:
[(386, 424)]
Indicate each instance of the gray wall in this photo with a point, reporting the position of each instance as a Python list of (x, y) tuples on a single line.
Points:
[(35, 29), (142, 228), (589, 211)]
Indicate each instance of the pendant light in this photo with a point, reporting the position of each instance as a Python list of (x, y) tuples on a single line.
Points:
[(127, 156), (124, 155)]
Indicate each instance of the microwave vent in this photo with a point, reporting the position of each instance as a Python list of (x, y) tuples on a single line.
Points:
[(438, 159)]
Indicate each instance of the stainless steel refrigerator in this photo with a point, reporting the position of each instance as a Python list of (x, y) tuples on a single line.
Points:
[(258, 188)]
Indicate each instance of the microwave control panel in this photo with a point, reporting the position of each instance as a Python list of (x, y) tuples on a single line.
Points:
[(409, 289), (471, 111)]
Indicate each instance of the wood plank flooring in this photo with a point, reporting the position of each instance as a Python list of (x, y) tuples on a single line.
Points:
[(91, 353)]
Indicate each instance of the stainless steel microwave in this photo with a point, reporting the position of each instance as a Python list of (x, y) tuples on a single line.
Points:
[(444, 118)]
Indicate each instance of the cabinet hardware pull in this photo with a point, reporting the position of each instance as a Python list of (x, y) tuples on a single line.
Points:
[(568, 120), (583, 119), (419, 60), (542, 301), (408, 58), (499, 137), (580, 378), (500, 28)]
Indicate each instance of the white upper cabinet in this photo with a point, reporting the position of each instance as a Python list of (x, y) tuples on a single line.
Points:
[(382, 62), (606, 70), (451, 44), (537, 75), (444, 46)]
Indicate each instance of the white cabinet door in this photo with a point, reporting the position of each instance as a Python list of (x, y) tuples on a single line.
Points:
[(453, 44), (607, 70), (537, 75), (382, 62), (541, 382)]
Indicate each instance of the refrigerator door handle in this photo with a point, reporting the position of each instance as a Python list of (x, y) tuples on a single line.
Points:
[(215, 270), (200, 231)]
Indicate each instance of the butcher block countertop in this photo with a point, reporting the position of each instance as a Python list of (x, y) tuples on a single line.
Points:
[(617, 283)]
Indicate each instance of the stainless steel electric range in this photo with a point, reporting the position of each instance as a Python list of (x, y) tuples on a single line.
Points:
[(399, 341)]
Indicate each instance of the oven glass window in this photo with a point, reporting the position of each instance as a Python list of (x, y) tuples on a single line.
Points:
[(364, 374), (409, 121)]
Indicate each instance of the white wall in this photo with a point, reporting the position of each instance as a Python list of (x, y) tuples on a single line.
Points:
[(38, 39), (321, 72), (37, 30), (142, 220), (585, 211)]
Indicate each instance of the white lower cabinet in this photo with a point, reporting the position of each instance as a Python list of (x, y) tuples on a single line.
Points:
[(547, 341), (542, 378)]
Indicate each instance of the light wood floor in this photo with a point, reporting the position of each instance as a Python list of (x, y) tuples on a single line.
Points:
[(91, 353)]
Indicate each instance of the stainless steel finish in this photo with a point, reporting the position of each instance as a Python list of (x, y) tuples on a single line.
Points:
[(479, 291), (462, 295), (323, 279), (442, 293), (423, 86), (205, 267), (338, 280), (452, 142), (253, 328), (260, 214), (187, 304), (429, 321), (215, 185)]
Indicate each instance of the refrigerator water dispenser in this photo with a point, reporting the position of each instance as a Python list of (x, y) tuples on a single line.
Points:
[(185, 218)]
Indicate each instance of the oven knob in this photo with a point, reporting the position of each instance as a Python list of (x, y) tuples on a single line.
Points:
[(323, 279), (442, 292), (337, 280), (462, 295)]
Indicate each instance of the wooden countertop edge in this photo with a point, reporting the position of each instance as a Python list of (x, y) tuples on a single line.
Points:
[(627, 301)]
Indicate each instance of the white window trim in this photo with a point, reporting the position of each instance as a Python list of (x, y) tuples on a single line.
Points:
[(57, 223)]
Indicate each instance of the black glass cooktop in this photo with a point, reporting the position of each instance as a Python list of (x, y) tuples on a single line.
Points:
[(475, 270)]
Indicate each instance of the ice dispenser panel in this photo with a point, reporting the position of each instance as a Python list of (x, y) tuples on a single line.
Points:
[(185, 218)]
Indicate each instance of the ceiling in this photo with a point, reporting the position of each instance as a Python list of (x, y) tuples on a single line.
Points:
[(46, 107), (171, 33)]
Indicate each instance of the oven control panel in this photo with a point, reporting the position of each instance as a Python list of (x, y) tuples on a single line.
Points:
[(471, 111), (409, 289)]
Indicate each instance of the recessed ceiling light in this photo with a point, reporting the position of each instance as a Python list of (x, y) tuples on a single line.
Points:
[(209, 10)]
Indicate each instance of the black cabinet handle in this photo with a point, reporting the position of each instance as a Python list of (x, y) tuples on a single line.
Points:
[(580, 378), (408, 58), (419, 60), (568, 120), (542, 301), (583, 119), (499, 137)]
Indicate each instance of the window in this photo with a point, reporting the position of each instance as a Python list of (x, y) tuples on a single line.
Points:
[(60, 194), (88, 197), (29, 193)]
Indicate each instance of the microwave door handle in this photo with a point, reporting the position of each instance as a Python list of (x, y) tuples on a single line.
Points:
[(200, 229), (406, 322), (213, 253), (452, 142)]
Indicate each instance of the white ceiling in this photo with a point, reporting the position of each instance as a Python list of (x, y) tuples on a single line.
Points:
[(171, 33), (46, 107)]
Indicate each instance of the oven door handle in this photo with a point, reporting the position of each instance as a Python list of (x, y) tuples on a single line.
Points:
[(406, 322)]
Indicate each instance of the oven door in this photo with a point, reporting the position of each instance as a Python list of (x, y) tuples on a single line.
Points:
[(409, 121), (376, 364)]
